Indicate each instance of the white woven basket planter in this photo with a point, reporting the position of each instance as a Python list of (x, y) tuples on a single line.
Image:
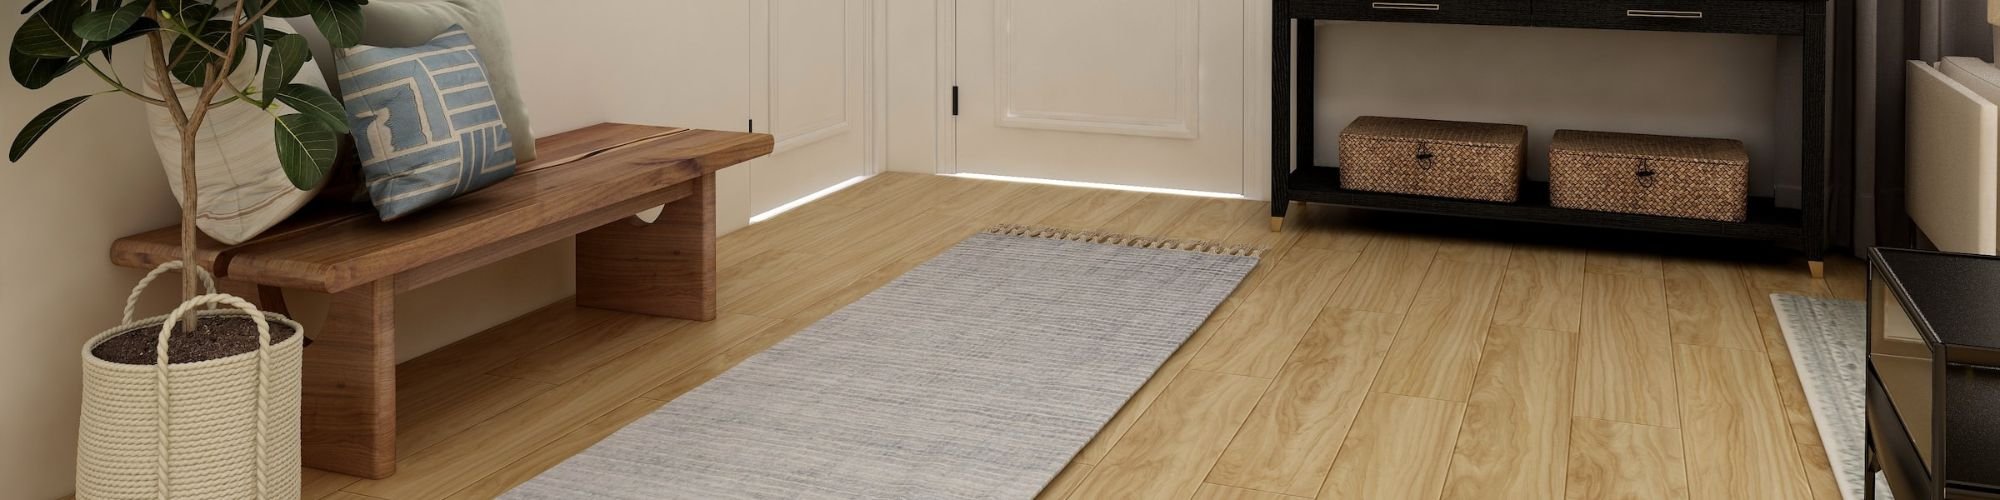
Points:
[(224, 429)]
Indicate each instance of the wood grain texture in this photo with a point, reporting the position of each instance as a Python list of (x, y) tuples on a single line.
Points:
[(1399, 447), (1543, 289), (1706, 305), (1388, 275), (1271, 320), (1475, 250), (1152, 215), (1437, 350), (1738, 445), (541, 459), (1330, 228), (1620, 461), (1791, 393), (1625, 358), (1166, 452), (1211, 491), (1121, 422), (1515, 439), (1623, 263), (572, 355), (1065, 482), (1291, 439), (348, 395), (422, 422), (489, 446), (666, 268), (1093, 210)]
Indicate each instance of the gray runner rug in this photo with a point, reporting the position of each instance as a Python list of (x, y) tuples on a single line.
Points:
[(1829, 344), (979, 374)]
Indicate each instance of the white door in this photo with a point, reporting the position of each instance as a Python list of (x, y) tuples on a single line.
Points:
[(1134, 92), (808, 92)]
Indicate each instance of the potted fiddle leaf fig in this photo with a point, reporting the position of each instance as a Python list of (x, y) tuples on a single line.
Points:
[(205, 404)]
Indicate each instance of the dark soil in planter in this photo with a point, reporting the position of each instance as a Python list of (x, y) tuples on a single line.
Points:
[(213, 338)]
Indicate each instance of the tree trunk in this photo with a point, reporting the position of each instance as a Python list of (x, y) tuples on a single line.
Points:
[(190, 268)]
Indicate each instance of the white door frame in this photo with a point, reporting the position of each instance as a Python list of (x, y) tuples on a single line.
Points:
[(1257, 23)]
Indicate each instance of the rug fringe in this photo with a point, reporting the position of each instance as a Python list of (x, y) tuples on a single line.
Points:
[(1053, 233)]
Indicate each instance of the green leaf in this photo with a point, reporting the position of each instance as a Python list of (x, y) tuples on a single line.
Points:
[(49, 32), (315, 104), (305, 149), (339, 21), (40, 126), (36, 72), (30, 7), (101, 25), (190, 61), (292, 8), (288, 55)]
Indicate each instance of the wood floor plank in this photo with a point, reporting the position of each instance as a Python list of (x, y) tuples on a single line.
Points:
[(979, 200), (1270, 321), (714, 366), (809, 283), (1514, 442), (1210, 491), (1705, 303), (930, 247), (1388, 276), (317, 484), (438, 374), (1475, 250), (563, 360), (1622, 263), (1437, 350), (1625, 355), (1399, 448), (487, 447), (1290, 440), (1166, 452), (1330, 228), (1093, 210), (1543, 289), (542, 458), (1738, 445), (1620, 461), (422, 422), (1115, 429), (1031, 206), (1152, 215), (1791, 393), (793, 230), (1212, 219), (876, 189), (1065, 482)]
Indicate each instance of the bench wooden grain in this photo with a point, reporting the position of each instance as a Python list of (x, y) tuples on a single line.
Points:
[(587, 184)]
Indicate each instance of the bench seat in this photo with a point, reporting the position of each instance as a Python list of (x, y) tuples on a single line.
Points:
[(587, 184)]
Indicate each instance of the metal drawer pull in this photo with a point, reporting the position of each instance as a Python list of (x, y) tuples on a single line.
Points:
[(1670, 14), (1403, 6)]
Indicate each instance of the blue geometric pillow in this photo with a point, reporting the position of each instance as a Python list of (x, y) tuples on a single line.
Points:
[(425, 122)]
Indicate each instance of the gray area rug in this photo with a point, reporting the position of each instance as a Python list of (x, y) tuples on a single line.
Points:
[(977, 375), (1829, 344)]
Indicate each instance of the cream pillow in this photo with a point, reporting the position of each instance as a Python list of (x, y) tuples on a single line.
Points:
[(243, 189), (410, 23)]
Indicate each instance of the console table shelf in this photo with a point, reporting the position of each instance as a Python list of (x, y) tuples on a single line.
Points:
[(1802, 228)]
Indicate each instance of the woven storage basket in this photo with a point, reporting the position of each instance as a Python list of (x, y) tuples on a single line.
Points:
[(1649, 174), (219, 429), (1477, 161)]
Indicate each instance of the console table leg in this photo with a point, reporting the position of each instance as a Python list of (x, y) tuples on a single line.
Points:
[(666, 268), (349, 400), (1818, 268)]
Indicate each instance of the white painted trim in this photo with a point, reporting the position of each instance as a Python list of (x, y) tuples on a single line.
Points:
[(947, 77), (876, 86), (1257, 22)]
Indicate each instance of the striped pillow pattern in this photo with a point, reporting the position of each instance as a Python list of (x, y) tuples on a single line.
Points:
[(425, 122)]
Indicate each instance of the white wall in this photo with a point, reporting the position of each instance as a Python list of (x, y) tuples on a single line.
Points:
[(97, 178)]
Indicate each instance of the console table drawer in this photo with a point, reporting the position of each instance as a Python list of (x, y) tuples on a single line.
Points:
[(1772, 17), (1417, 11)]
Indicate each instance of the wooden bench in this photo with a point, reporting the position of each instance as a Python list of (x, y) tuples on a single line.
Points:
[(588, 184)]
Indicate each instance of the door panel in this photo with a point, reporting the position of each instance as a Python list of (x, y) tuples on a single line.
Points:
[(810, 98), (1135, 92)]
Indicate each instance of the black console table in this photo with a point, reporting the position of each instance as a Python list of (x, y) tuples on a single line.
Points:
[(1805, 229), (1933, 374)]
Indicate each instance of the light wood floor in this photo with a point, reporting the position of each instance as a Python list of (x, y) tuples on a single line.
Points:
[(1368, 357)]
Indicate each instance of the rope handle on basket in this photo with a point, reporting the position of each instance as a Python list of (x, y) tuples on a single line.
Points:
[(132, 301), (263, 381)]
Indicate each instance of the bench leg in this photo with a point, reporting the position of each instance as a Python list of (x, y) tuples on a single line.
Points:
[(350, 385), (666, 268)]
